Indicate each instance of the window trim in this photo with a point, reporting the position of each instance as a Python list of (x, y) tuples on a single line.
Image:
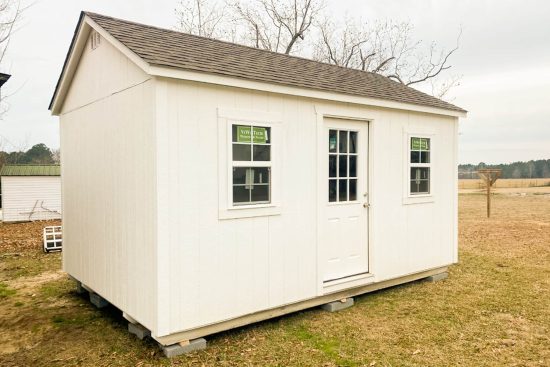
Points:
[(226, 118), (408, 197)]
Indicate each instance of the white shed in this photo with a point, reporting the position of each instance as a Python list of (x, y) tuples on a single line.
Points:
[(30, 192), (226, 185)]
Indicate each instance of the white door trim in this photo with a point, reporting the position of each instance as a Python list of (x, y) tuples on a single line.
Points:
[(344, 114)]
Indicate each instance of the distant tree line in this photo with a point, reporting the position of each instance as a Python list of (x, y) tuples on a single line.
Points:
[(531, 169), (38, 154)]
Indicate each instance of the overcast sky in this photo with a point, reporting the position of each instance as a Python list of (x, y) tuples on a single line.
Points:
[(504, 59)]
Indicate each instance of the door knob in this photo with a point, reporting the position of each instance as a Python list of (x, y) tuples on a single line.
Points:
[(366, 205)]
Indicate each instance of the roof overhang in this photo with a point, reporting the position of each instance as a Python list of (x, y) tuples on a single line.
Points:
[(86, 25)]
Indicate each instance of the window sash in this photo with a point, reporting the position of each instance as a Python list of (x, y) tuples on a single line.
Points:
[(412, 165), (252, 164)]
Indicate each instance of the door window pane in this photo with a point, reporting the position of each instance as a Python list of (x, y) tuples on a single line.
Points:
[(332, 141), (343, 142), (353, 141), (424, 157), (420, 180), (331, 190), (342, 190), (342, 163), (352, 166), (415, 156), (352, 190), (343, 166), (332, 165)]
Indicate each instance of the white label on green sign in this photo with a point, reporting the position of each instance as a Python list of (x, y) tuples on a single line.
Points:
[(259, 134)]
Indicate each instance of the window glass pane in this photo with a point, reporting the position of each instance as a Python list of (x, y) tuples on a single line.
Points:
[(262, 152), (239, 175), (420, 173), (425, 186), (332, 141), (420, 180), (241, 152), (343, 142), (425, 144), (342, 190), (331, 190), (352, 166), (261, 135), (352, 190), (332, 165), (241, 133), (415, 156), (353, 142), (343, 166), (261, 175), (241, 194), (415, 143), (425, 157), (260, 193)]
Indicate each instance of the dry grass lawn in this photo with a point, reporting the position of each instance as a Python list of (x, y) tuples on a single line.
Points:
[(493, 310)]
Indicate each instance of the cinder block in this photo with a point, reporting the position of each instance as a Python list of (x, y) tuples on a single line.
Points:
[(338, 305), (98, 301), (139, 330), (79, 288), (178, 349), (437, 277)]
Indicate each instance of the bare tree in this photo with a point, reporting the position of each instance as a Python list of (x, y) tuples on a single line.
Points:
[(276, 25), (386, 48), (202, 17)]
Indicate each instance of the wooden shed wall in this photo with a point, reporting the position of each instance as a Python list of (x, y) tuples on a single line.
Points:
[(108, 170), (220, 269), (31, 198)]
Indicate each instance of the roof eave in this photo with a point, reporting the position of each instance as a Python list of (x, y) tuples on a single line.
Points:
[(210, 78)]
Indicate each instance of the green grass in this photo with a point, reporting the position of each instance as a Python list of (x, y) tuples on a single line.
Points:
[(5, 291), (491, 311)]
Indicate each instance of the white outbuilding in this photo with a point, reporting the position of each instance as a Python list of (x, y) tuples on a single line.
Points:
[(30, 192), (224, 184)]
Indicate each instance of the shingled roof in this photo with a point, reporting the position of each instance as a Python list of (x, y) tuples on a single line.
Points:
[(168, 48)]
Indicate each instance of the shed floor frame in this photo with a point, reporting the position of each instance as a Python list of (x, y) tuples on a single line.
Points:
[(293, 307)]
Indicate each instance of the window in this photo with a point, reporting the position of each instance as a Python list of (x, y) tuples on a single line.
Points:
[(420, 166), (251, 164), (342, 165)]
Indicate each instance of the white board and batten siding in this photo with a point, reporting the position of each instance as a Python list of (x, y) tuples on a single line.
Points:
[(107, 163), (261, 262), (26, 198), (145, 186)]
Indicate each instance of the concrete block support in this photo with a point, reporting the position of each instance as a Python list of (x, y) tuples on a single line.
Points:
[(437, 277), (98, 301), (79, 288), (338, 305), (139, 330), (183, 348)]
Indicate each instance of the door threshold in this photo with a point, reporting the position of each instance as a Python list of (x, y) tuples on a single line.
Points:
[(335, 285)]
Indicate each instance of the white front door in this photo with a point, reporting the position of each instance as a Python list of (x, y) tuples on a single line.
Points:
[(343, 199)]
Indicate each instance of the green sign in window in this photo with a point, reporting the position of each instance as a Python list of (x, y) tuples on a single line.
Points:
[(420, 144), (247, 134)]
